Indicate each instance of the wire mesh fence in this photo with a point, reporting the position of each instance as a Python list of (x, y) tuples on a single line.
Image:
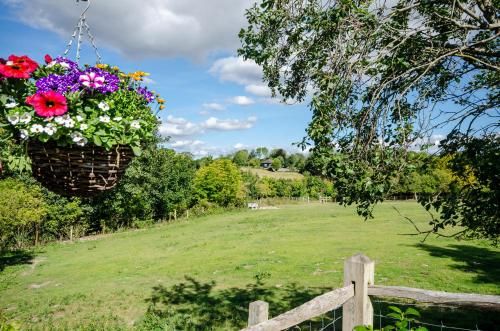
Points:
[(433, 317), (331, 321)]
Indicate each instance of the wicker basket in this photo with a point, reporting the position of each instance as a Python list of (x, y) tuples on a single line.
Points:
[(78, 171)]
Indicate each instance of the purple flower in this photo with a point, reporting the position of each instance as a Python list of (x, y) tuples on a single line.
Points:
[(57, 83), (70, 65), (145, 93), (111, 83)]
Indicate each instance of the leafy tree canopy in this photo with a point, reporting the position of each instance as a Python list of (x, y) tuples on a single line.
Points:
[(380, 76)]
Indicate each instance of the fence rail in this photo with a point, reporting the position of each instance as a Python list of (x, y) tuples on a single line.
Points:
[(459, 299), (357, 309), (316, 307)]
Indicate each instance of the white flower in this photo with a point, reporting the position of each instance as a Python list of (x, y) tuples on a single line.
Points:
[(103, 106), (77, 136), (9, 63), (59, 119), (83, 126), (117, 119), (36, 128), (104, 119), (24, 134), (11, 104), (69, 123), (79, 118), (82, 142), (135, 124), (64, 65), (13, 119), (49, 119), (25, 118), (51, 64), (50, 129)]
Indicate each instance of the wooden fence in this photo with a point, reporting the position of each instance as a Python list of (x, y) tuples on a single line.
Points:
[(354, 297)]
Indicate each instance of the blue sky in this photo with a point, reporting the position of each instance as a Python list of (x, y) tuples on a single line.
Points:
[(216, 102)]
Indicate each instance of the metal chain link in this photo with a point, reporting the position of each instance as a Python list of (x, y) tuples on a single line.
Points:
[(78, 35)]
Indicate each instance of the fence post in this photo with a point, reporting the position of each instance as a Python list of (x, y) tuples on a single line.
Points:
[(360, 271), (258, 312)]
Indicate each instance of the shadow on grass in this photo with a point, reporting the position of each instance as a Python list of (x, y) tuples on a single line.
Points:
[(12, 258), (485, 263), (193, 305)]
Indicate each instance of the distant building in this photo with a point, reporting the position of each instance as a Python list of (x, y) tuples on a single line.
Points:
[(266, 164)]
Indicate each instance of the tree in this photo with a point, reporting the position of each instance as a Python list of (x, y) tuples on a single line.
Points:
[(382, 76), (219, 182), (155, 184), (277, 152), (261, 152), (240, 158), (277, 163)]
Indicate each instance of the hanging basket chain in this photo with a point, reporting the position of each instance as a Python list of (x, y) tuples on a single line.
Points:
[(78, 35)]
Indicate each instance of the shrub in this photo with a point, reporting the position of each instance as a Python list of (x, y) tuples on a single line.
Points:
[(219, 182), (22, 209)]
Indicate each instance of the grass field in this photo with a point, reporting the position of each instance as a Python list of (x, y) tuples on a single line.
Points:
[(297, 250), (273, 174)]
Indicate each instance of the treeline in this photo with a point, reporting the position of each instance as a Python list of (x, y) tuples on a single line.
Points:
[(278, 157), (160, 182)]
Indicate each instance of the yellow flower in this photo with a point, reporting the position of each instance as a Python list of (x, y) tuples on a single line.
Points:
[(101, 65), (116, 68), (160, 100), (162, 107)]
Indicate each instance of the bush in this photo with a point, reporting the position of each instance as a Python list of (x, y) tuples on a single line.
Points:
[(219, 182), (22, 209), (155, 184)]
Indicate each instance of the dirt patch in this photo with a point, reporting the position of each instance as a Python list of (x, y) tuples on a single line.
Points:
[(35, 286), (36, 261)]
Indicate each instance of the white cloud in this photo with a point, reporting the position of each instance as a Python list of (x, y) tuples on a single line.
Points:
[(153, 28), (260, 90), (229, 125), (242, 100), (237, 70), (185, 143), (180, 127), (239, 146), (213, 106)]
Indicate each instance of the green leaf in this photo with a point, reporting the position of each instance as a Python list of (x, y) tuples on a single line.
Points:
[(137, 150), (412, 311), (97, 141)]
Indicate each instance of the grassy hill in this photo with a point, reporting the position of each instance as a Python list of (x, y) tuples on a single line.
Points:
[(294, 252), (273, 174)]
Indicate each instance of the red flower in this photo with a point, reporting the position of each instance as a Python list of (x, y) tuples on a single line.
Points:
[(18, 67), (48, 58), (48, 104), (32, 65)]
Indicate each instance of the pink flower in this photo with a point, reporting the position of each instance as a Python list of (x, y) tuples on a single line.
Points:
[(48, 104), (91, 80)]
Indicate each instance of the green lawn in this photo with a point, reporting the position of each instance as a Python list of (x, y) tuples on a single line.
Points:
[(108, 281)]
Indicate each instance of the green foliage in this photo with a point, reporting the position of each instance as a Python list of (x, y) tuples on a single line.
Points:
[(277, 163), (402, 322), (474, 189), (240, 158), (219, 182), (21, 211), (155, 184), (390, 73)]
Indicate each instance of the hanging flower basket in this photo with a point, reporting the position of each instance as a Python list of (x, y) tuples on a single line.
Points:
[(81, 171), (81, 126)]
